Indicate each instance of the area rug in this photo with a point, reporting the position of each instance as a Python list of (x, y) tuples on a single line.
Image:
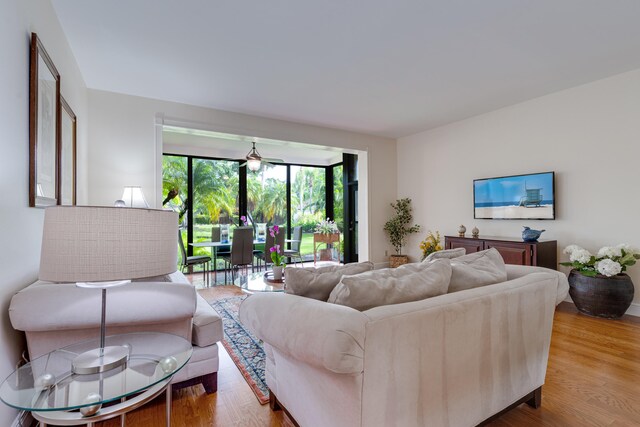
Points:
[(244, 348)]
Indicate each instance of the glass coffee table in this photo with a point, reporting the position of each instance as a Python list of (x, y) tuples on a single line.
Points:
[(49, 389), (258, 282)]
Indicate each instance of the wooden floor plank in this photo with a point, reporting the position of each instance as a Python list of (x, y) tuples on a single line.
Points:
[(593, 380)]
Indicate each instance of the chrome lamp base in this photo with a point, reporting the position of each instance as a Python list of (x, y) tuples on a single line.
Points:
[(100, 360), (103, 358)]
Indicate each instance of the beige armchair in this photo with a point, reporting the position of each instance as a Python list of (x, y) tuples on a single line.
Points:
[(98, 244)]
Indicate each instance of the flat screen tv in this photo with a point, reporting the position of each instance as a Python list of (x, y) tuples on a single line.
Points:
[(529, 196)]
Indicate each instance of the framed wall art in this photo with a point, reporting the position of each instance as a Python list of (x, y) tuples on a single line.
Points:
[(67, 156), (44, 127)]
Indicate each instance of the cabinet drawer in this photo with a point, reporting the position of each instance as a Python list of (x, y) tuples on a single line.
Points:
[(470, 246), (512, 253)]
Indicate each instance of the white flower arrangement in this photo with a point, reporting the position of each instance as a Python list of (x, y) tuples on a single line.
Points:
[(608, 267), (608, 261), (326, 226)]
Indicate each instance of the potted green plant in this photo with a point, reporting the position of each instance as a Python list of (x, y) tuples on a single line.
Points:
[(398, 230), (597, 283)]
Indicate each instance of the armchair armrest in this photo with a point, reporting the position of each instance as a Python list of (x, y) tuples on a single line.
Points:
[(320, 334), (45, 306)]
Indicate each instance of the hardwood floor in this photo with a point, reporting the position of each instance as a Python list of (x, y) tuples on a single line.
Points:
[(593, 379)]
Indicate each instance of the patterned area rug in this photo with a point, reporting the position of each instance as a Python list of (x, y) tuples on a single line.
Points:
[(244, 348)]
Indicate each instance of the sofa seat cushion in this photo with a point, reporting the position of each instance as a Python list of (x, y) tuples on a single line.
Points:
[(477, 269), (317, 283), (207, 324), (410, 282)]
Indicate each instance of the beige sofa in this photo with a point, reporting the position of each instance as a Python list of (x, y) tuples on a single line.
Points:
[(54, 315), (451, 360)]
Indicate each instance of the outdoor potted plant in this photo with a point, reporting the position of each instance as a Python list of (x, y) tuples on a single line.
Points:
[(327, 232), (398, 230), (597, 283)]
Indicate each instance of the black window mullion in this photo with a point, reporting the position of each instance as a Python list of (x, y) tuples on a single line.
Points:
[(288, 202), (242, 190), (328, 191), (189, 205)]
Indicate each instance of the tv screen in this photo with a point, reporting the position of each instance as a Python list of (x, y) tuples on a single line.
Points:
[(515, 197)]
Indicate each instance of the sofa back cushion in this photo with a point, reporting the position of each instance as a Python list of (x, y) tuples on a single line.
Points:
[(410, 282), (477, 269), (447, 253), (317, 283)]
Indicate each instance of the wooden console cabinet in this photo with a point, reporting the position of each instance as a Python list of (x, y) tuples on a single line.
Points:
[(514, 251)]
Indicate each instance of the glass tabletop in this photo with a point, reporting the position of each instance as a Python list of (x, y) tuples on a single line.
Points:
[(257, 282), (48, 384)]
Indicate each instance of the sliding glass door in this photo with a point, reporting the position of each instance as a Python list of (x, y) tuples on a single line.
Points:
[(215, 197), (207, 192), (308, 203), (175, 193), (267, 195)]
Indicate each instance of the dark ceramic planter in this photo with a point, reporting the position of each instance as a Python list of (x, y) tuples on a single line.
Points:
[(601, 296)]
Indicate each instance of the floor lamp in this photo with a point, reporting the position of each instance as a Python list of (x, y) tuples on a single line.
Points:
[(102, 248)]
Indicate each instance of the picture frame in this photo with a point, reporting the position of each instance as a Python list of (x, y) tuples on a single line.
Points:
[(44, 126), (67, 155)]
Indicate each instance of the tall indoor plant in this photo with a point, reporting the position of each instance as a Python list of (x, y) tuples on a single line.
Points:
[(598, 285), (398, 229)]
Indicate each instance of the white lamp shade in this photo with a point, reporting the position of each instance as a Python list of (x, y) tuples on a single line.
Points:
[(253, 164), (92, 244), (134, 198)]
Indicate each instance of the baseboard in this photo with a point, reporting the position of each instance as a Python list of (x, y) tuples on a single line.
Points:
[(24, 419), (634, 309)]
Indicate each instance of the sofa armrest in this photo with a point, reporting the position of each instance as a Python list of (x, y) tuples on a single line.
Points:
[(45, 306), (479, 349), (320, 334), (517, 271)]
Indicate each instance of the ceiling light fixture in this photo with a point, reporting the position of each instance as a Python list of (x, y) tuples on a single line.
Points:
[(254, 159)]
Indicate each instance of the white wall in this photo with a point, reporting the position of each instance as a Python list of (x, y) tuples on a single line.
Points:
[(21, 226), (588, 135), (123, 150)]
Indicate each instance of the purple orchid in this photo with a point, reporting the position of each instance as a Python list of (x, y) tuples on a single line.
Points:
[(278, 260), (244, 220)]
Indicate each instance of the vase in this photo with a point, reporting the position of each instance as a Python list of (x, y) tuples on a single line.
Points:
[(224, 233), (601, 296), (261, 231), (277, 272)]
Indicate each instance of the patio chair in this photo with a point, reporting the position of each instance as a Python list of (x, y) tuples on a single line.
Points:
[(241, 251), (190, 261), (220, 251), (294, 252)]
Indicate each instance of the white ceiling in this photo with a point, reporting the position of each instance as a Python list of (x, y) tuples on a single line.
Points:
[(179, 140), (383, 67)]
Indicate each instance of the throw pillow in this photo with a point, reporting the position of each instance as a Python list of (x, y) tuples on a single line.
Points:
[(447, 253), (317, 283), (477, 269), (411, 282)]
